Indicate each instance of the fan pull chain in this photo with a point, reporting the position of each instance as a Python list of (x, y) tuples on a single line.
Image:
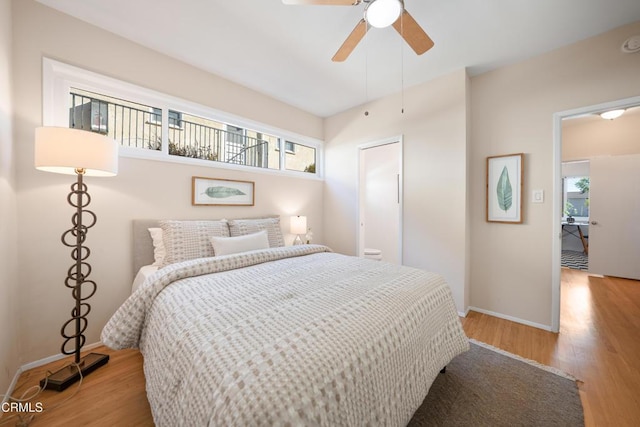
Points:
[(366, 70), (402, 62)]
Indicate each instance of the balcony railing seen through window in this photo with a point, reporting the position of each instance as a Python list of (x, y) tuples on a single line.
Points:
[(139, 126), (129, 123)]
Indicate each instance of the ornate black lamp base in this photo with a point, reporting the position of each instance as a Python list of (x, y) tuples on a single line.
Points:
[(68, 375), (77, 276)]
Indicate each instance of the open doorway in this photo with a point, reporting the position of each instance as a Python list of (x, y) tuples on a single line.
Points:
[(607, 149), (575, 215)]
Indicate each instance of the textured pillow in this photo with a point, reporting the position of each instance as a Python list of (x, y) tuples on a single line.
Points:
[(235, 245), (159, 252), (185, 240), (241, 227)]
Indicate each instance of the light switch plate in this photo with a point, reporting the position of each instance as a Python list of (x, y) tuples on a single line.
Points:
[(537, 196)]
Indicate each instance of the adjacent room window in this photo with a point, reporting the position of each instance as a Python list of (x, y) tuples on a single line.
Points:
[(153, 125), (576, 197)]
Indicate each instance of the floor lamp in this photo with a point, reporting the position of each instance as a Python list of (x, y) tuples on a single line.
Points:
[(80, 153)]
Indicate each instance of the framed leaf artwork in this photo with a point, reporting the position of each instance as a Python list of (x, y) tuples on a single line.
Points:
[(504, 188), (221, 192)]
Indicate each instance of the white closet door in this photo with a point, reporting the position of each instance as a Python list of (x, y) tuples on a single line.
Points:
[(380, 200)]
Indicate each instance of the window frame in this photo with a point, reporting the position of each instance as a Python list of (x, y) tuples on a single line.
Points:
[(290, 149), (58, 79)]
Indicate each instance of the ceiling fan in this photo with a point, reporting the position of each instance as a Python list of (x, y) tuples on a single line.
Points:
[(379, 14)]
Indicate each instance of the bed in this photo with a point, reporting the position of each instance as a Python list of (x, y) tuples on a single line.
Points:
[(282, 335)]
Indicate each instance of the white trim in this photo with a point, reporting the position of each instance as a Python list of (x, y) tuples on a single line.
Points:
[(556, 216), (379, 142), (556, 228), (157, 156), (12, 387), (37, 364), (391, 140), (510, 318), (58, 78), (56, 357)]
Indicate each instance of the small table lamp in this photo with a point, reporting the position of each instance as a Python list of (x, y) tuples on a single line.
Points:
[(80, 153), (298, 227)]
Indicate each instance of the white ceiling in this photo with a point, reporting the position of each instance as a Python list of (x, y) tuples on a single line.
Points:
[(285, 51)]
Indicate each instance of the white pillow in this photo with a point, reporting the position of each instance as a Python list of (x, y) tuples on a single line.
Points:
[(234, 245), (159, 251)]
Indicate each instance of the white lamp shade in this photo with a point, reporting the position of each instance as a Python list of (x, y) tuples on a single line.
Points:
[(298, 224), (382, 13), (63, 150)]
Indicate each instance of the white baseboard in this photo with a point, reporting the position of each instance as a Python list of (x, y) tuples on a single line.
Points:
[(12, 386), (511, 318), (39, 363), (56, 357)]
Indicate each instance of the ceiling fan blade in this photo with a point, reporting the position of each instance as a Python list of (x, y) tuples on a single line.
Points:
[(351, 42), (413, 34), (322, 2)]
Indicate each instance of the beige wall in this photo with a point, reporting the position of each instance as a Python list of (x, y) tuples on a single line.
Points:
[(8, 241), (142, 189), (512, 110), (435, 176), (586, 138)]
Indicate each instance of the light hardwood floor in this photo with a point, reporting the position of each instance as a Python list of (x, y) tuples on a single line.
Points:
[(598, 344)]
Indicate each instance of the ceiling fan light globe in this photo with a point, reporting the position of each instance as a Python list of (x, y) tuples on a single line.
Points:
[(383, 13), (613, 114)]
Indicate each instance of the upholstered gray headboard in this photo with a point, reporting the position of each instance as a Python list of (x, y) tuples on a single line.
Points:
[(142, 243)]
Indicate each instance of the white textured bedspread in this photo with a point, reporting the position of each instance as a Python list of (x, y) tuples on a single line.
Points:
[(288, 336)]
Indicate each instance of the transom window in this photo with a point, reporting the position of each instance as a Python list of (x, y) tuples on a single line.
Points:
[(151, 125)]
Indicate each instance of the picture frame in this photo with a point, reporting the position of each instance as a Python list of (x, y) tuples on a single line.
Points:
[(221, 192), (505, 176)]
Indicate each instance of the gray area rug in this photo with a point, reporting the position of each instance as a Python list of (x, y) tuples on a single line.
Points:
[(483, 387)]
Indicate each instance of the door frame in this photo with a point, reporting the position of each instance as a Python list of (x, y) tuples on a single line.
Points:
[(556, 229), (391, 140)]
